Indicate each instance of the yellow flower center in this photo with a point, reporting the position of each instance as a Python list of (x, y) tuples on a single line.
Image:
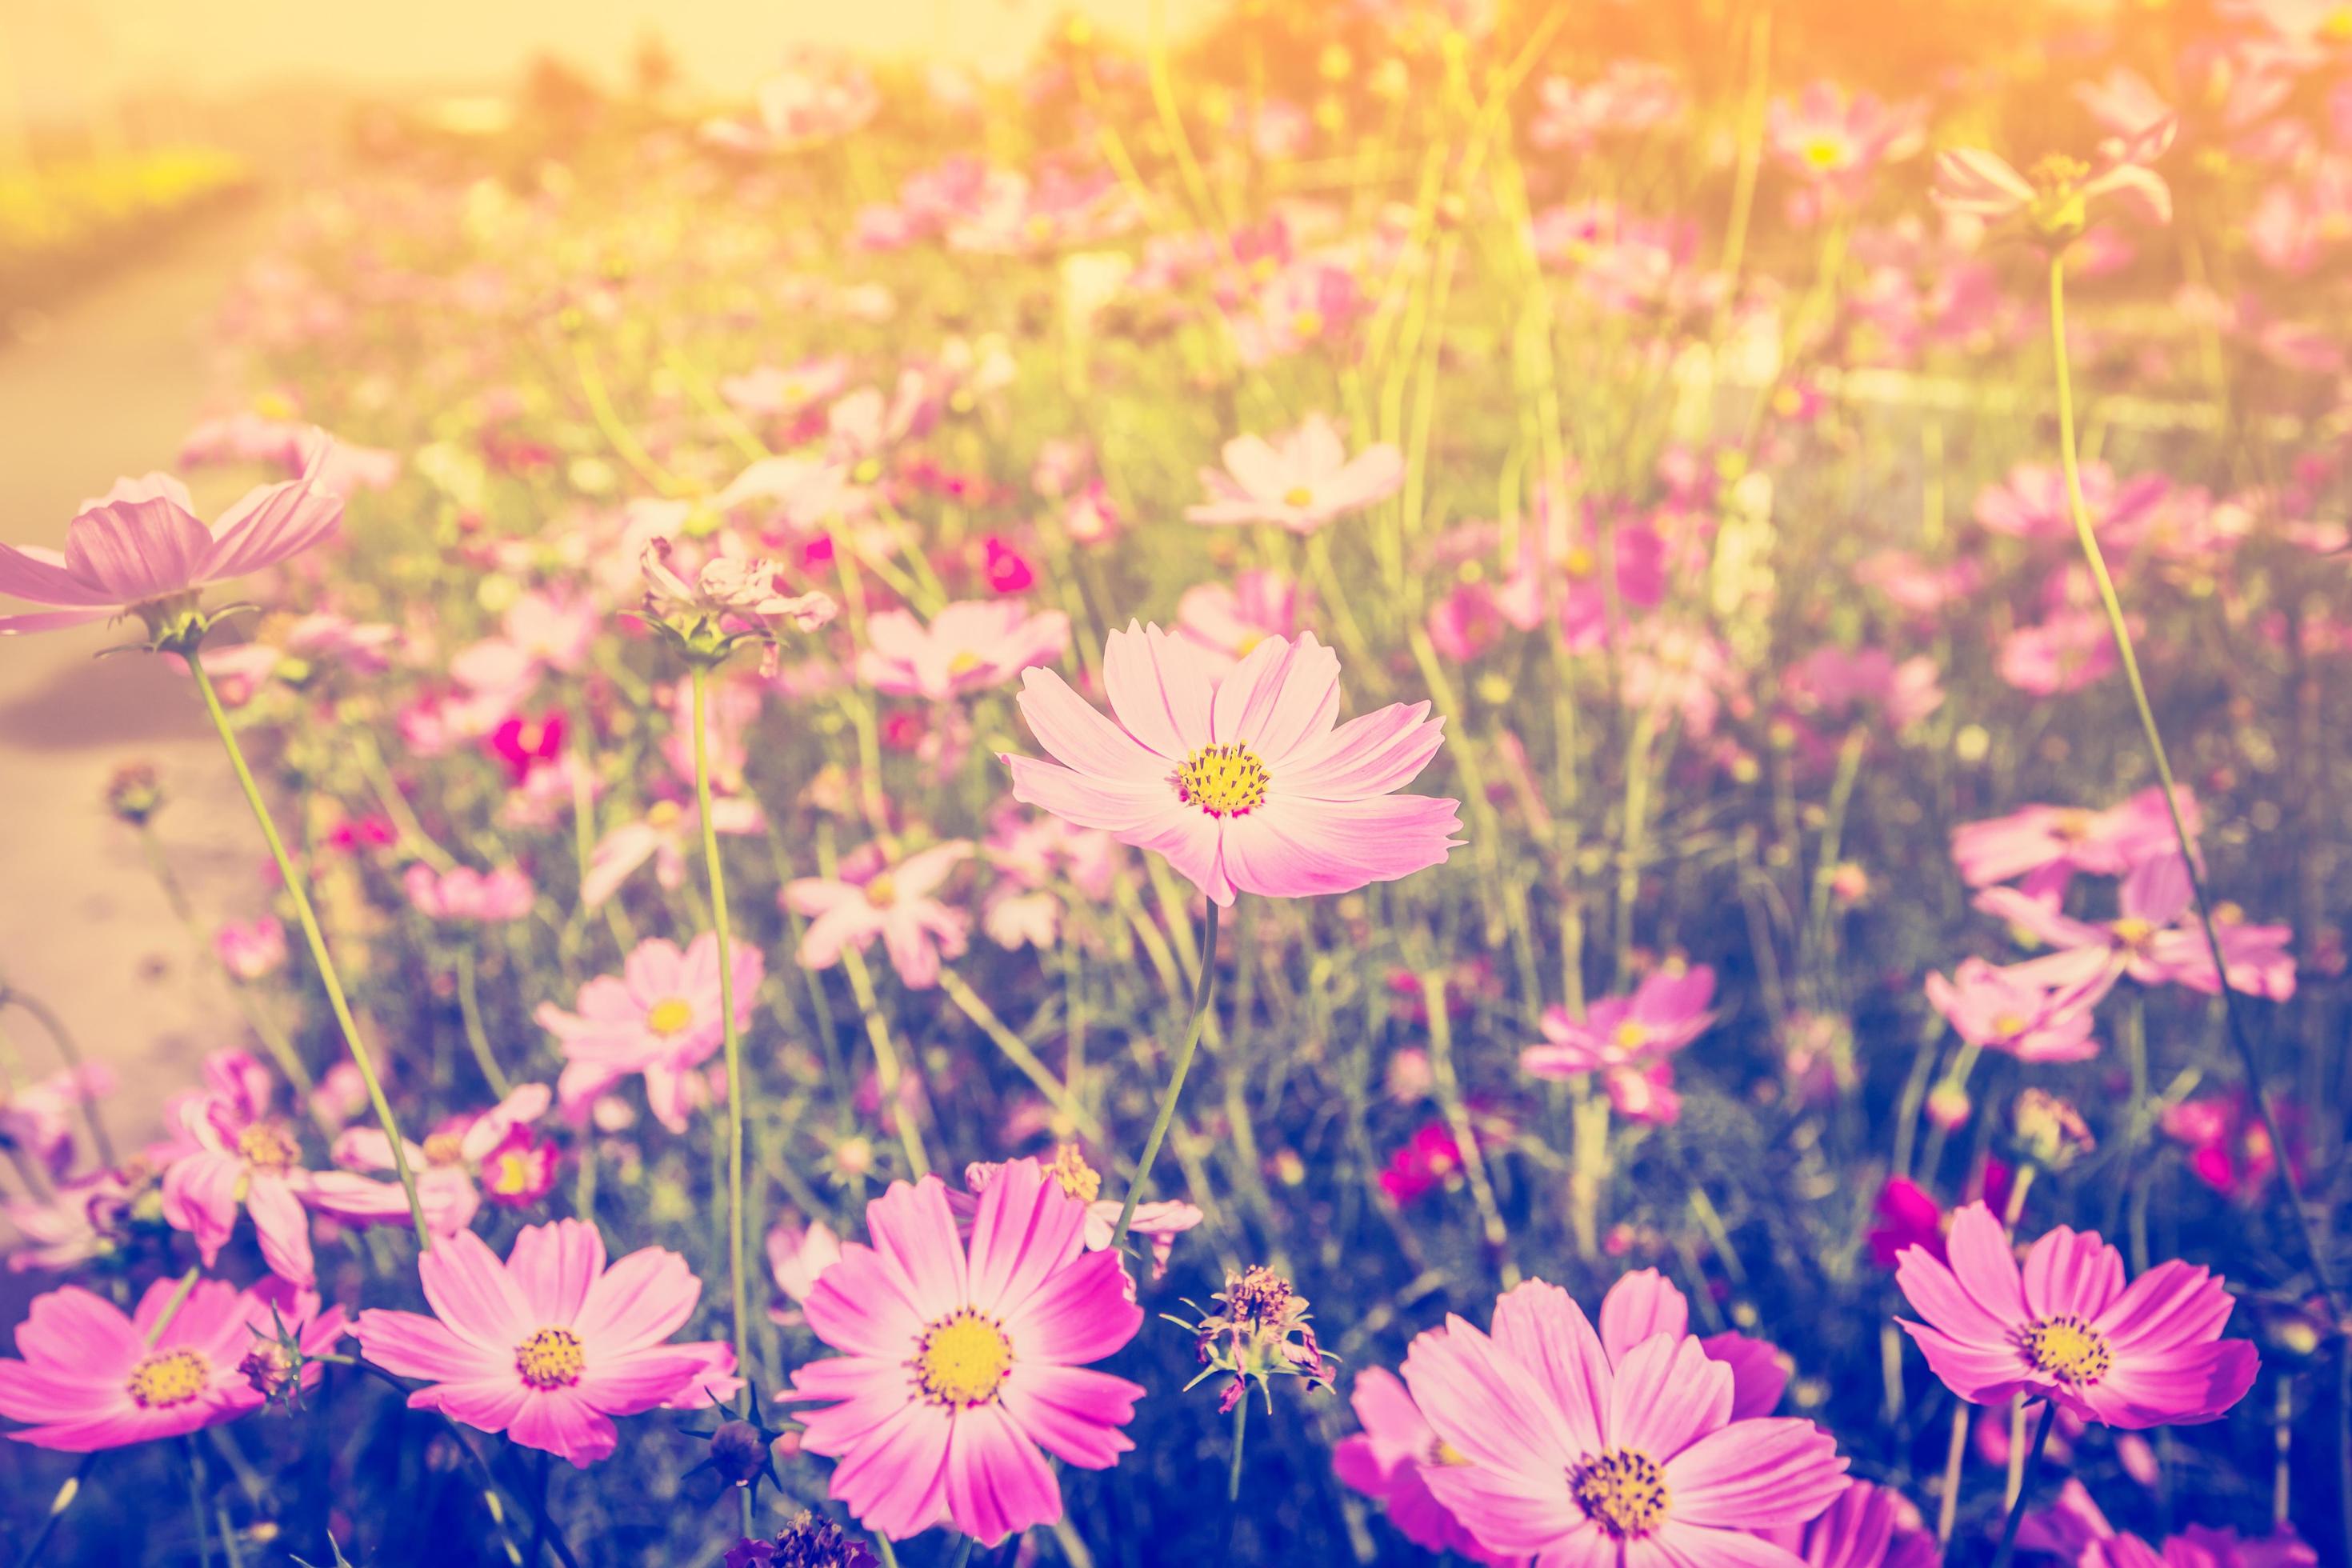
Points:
[(169, 1378), (1824, 153), (1444, 1453), (2337, 27), (663, 813), (2068, 1350), (1076, 1177), (1299, 496), (1631, 1034), (444, 1148), (550, 1358), (268, 1146), (962, 1360), (1578, 563), (1306, 324), (1622, 1491), (671, 1016), (2132, 931), (512, 1174), (882, 891), (964, 664), (1223, 780), (2007, 1026)]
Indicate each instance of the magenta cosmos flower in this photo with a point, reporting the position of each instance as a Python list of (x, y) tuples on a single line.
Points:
[(1628, 1040), (1302, 481), (237, 1154), (2046, 843), (90, 1378), (1867, 1527), (1574, 1456), (658, 1016), (462, 893), (872, 897), (549, 1345), (2069, 1329), (1242, 781), (968, 647), (140, 550), (959, 1365), (456, 1161)]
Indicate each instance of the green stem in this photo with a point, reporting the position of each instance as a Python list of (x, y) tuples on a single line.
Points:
[(734, 1042), (2025, 1486), (196, 1503), (1457, 1122), (469, 1006), (1241, 1429), (2313, 1245), (1203, 989), (296, 890)]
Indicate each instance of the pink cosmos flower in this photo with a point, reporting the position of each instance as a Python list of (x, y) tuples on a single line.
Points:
[(451, 1166), (2031, 502), (1157, 1224), (549, 1345), (664, 834), (872, 897), (2044, 843), (2071, 651), (1867, 1527), (1387, 1461), (1627, 1038), (968, 647), (658, 1016), (1836, 138), (462, 893), (2035, 1013), (238, 1154), (37, 1119), (1834, 682), (140, 548), (1302, 481), (2074, 1529), (2053, 197), (91, 1378), (1242, 781), (797, 1258), (252, 949), (2069, 1329), (1628, 97), (2155, 937), (1227, 623), (959, 1363), (1658, 1465)]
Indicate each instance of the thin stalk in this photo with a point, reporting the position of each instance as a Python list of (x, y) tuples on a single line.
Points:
[(196, 1503), (2025, 1491), (469, 1006), (1241, 1431), (296, 890), (740, 1298), (2312, 1243), (1457, 1120), (887, 1071), (1016, 1050), (1203, 990)]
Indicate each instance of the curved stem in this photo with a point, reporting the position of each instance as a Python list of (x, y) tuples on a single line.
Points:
[(2312, 1243), (55, 1027), (469, 1007), (732, 1035), (2025, 1486), (1203, 989), (296, 890)]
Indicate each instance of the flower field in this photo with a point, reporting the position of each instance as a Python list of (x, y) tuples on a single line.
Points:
[(1555, 789)]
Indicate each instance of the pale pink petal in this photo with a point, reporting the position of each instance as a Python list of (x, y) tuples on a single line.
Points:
[(1370, 755), (1757, 1475), (640, 1301), (1078, 736), (469, 1289), (269, 525), (138, 549), (1026, 1231), (555, 1265), (895, 1481), (1540, 1327), (1639, 1305), (1158, 689), (1084, 1315), (415, 1345), (997, 1482), (1282, 694), (1073, 1413), (1291, 848), (2068, 1272), (1666, 1396), (565, 1424), (27, 572), (913, 1230)]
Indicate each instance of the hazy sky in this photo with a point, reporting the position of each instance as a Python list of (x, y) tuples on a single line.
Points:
[(57, 55)]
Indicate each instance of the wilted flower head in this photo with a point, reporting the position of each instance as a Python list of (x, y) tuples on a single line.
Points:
[(730, 601), (807, 1542), (136, 793), (1259, 1332), (2050, 1130)]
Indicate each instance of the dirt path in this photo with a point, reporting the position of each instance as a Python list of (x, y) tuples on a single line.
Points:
[(108, 386)]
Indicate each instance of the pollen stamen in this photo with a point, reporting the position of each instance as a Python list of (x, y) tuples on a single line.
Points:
[(1224, 780)]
